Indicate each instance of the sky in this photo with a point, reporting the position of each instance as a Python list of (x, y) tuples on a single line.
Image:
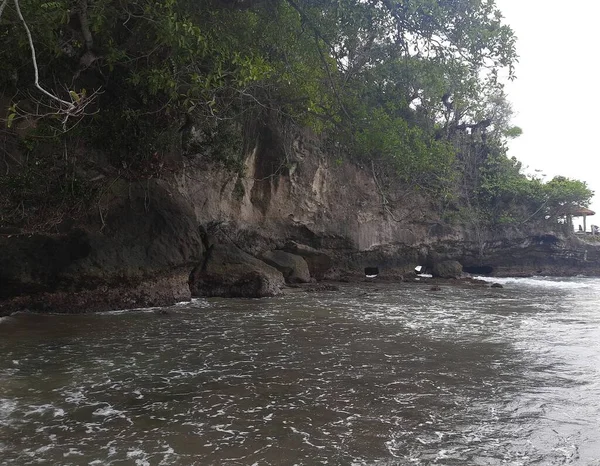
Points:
[(556, 96)]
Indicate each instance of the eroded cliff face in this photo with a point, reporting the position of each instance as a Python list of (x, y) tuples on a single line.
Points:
[(152, 234), (305, 196)]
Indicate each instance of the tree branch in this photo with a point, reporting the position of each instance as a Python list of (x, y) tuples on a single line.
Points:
[(82, 7), (2, 6), (69, 105)]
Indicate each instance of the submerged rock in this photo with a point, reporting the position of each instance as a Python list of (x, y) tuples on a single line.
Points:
[(293, 267), (496, 285), (229, 272), (322, 287)]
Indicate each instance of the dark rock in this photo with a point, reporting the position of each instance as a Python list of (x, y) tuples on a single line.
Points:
[(231, 273), (318, 263), (435, 288), (496, 285), (294, 268), (34, 263), (447, 269), (163, 290), (149, 230)]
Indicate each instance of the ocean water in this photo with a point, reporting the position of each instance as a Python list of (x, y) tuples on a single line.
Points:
[(382, 374)]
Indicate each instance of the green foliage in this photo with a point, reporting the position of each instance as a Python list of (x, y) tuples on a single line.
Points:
[(513, 132), (561, 192), (407, 84), (320, 63), (416, 156), (510, 197)]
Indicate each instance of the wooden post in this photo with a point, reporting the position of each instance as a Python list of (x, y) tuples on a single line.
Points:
[(584, 226)]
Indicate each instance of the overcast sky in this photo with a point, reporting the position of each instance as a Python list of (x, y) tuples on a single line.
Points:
[(556, 95)]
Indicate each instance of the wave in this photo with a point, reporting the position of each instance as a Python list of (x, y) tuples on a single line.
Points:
[(544, 282)]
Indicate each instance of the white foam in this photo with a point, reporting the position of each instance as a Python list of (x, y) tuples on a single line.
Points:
[(107, 411), (40, 409), (72, 452), (7, 407), (541, 282), (137, 453)]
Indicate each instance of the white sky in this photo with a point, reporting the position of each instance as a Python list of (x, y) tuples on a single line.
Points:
[(556, 96)]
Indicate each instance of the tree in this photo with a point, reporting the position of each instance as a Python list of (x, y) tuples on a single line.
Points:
[(402, 86), (562, 193)]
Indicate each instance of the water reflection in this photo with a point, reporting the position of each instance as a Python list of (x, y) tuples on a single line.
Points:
[(386, 374)]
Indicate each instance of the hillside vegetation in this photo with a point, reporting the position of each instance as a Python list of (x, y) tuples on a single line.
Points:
[(410, 89)]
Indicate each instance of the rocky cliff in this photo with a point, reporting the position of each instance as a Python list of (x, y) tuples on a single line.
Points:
[(142, 245)]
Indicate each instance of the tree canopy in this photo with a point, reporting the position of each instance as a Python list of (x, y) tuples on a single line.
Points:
[(413, 84)]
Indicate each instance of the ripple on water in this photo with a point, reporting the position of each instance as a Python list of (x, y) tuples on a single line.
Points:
[(389, 375)]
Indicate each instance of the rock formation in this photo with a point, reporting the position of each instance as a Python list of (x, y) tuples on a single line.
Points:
[(294, 268), (231, 273), (202, 229)]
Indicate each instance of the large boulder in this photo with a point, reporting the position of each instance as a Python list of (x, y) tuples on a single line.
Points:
[(229, 272), (294, 268), (447, 269), (318, 263)]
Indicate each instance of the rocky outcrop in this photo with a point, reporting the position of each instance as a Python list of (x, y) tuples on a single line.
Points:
[(294, 268), (161, 290), (140, 243), (514, 252), (447, 269), (318, 262), (140, 255), (231, 273)]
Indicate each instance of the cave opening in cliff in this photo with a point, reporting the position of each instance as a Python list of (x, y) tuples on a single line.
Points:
[(371, 272), (479, 270)]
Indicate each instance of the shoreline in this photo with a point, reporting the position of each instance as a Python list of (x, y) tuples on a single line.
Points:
[(115, 300)]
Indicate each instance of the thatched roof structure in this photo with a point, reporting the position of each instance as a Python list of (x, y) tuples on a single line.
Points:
[(576, 211)]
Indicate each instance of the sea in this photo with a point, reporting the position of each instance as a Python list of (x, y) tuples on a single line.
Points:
[(373, 374)]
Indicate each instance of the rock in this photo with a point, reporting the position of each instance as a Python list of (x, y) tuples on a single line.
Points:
[(33, 263), (294, 268), (435, 288), (163, 290), (318, 263), (229, 272), (496, 285), (447, 269), (149, 230), (321, 287)]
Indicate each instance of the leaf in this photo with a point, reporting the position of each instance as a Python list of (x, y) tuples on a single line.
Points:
[(10, 119), (75, 96), (51, 6)]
